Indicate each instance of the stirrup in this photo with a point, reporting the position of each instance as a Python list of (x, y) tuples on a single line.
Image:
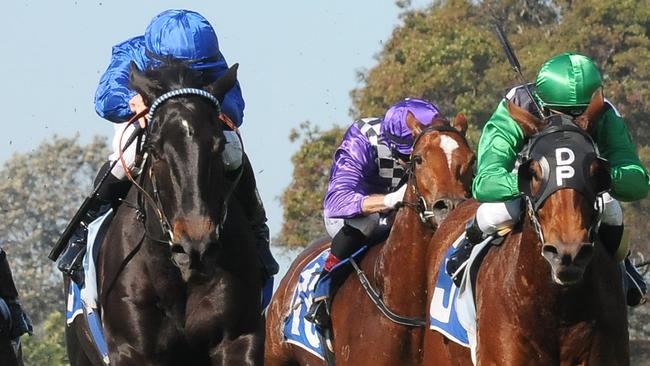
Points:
[(71, 260), (318, 313)]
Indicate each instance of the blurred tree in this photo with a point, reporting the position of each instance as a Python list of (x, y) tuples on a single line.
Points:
[(303, 198), (448, 53), (46, 347), (39, 193)]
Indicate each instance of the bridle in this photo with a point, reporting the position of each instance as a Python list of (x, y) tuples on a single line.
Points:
[(155, 200), (563, 128), (421, 206)]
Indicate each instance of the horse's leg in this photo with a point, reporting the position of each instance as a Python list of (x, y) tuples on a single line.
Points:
[(243, 350), (76, 353)]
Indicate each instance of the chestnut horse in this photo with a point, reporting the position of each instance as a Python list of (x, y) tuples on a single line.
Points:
[(439, 178), (549, 294), (178, 275)]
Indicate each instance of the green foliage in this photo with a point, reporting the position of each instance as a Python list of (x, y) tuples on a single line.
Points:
[(448, 53), (303, 199), (39, 193), (47, 346)]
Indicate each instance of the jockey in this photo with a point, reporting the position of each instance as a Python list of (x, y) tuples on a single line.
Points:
[(181, 35), (565, 84), (13, 320), (366, 184)]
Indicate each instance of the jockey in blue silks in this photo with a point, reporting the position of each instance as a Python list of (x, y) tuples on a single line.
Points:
[(366, 184), (172, 35)]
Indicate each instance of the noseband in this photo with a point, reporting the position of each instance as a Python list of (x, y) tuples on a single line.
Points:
[(421, 206)]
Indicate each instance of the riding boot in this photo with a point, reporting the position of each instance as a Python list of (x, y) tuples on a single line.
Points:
[(454, 266), (344, 244), (20, 323), (635, 286), (247, 195), (70, 261)]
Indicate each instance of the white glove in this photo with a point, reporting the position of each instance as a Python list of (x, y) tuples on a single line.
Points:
[(392, 199), (233, 153)]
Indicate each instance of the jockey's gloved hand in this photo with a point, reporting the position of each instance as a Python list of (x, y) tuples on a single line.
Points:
[(392, 199)]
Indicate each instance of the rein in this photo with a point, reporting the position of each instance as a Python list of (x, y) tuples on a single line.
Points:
[(425, 213), (375, 297)]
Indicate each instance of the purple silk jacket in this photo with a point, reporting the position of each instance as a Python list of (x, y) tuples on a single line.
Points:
[(354, 175)]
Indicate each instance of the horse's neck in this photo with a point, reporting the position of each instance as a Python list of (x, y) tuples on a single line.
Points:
[(401, 262)]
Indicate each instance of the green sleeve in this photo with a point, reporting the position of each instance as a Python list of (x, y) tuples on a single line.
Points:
[(500, 142), (630, 181)]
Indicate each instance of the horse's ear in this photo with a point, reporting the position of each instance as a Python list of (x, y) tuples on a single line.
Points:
[(528, 123), (413, 124), (139, 82), (225, 82), (587, 120), (460, 123)]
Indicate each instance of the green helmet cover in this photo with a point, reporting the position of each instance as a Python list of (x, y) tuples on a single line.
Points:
[(568, 80)]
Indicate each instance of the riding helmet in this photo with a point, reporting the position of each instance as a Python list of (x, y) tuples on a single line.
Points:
[(182, 35), (394, 129), (568, 80)]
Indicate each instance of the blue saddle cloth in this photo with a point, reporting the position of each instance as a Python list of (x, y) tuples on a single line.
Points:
[(297, 330), (443, 316)]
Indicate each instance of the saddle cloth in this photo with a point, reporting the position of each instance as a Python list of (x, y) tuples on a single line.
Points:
[(453, 311), (83, 301), (297, 330)]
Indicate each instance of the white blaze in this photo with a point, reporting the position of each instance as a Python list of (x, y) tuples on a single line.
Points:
[(187, 127), (448, 145)]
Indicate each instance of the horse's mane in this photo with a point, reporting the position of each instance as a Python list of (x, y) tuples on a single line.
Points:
[(440, 122), (174, 74)]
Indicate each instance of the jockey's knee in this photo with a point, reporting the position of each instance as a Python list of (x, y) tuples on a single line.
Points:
[(495, 216), (612, 212), (233, 153), (365, 224)]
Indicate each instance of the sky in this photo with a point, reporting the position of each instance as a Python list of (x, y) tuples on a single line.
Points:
[(298, 61)]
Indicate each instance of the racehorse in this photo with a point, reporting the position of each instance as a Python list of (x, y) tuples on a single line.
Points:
[(178, 275), (439, 178), (549, 294)]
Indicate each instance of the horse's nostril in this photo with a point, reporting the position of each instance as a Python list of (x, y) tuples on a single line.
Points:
[(440, 205), (176, 248), (584, 254), (549, 249)]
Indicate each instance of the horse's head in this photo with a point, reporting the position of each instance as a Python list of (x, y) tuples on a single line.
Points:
[(561, 177), (441, 167), (185, 140)]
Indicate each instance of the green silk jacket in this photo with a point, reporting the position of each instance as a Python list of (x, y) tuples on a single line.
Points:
[(502, 139)]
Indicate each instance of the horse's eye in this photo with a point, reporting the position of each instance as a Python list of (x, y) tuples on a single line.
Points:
[(417, 159), (532, 173)]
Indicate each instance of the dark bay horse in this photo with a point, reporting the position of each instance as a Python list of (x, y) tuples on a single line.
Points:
[(549, 294), (440, 177), (179, 282)]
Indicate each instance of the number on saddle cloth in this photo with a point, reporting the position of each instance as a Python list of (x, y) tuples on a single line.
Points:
[(297, 330)]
